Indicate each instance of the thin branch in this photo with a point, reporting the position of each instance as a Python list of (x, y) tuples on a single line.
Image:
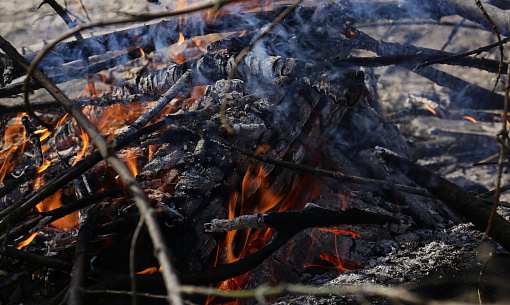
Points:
[(36, 259), (63, 14), (132, 266), (81, 261), (500, 43), (503, 137), (465, 54), (327, 173)]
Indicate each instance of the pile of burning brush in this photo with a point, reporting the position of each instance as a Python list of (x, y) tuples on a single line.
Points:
[(234, 147)]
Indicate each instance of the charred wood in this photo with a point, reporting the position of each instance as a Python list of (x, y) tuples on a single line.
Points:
[(287, 225), (40, 260), (310, 217), (151, 37), (75, 294), (472, 208), (103, 101), (7, 67)]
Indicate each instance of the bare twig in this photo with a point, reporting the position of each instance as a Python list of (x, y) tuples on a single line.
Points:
[(500, 43), (132, 267), (81, 261), (327, 173), (503, 137), (458, 56), (63, 14)]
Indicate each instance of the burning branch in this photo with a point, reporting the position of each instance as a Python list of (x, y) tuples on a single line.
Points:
[(146, 210)]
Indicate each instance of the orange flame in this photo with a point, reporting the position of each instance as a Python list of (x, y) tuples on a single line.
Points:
[(340, 231), (54, 202), (42, 168), (150, 270), (44, 133), (181, 39), (27, 241), (85, 144), (13, 146), (469, 118), (430, 109), (340, 264)]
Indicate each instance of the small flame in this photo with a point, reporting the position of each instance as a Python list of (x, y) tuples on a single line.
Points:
[(340, 231), (26, 241), (42, 168), (469, 118), (142, 52), (13, 146), (85, 144), (181, 39), (54, 202), (44, 133), (340, 264), (151, 270), (430, 109)]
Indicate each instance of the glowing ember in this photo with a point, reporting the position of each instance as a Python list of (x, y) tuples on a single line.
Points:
[(469, 118), (150, 270), (430, 109), (340, 231)]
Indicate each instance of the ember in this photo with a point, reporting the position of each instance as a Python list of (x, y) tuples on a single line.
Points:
[(239, 144)]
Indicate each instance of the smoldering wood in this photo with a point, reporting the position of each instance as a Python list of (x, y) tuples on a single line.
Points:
[(200, 174), (149, 37), (452, 195)]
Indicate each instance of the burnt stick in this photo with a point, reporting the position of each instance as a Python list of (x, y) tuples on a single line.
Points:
[(75, 295), (309, 217), (74, 74), (475, 97), (149, 37), (36, 259), (103, 101), (63, 14), (472, 208), (287, 225)]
